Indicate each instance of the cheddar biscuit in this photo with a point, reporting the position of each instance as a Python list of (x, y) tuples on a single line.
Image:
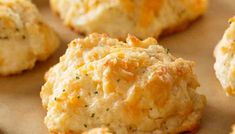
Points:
[(24, 37), (134, 87), (117, 18), (224, 55)]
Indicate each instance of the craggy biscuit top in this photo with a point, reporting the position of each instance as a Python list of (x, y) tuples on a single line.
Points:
[(24, 37), (133, 87), (224, 54)]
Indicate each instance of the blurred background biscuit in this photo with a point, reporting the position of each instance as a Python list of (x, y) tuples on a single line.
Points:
[(24, 37), (117, 18), (225, 60)]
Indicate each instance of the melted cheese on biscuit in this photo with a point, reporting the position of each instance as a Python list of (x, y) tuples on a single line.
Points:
[(133, 87), (224, 54)]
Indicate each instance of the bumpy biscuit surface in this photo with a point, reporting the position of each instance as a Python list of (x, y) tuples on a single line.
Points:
[(134, 87)]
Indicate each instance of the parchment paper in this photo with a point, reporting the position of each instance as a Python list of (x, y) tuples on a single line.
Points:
[(20, 105)]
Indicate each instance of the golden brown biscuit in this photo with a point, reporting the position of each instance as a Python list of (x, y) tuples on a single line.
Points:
[(134, 87), (143, 18), (24, 37), (233, 130), (225, 60)]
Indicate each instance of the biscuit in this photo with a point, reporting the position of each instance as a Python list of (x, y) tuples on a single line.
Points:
[(224, 55), (233, 130), (24, 37), (117, 18), (134, 87)]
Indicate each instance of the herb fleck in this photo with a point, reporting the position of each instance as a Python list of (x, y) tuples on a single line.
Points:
[(85, 125), (86, 105), (63, 90), (77, 77), (96, 92), (78, 97), (92, 115), (107, 109), (167, 50), (23, 37), (55, 98), (17, 30), (118, 80)]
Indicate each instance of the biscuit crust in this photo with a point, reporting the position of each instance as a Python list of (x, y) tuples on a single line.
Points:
[(233, 130), (134, 87), (24, 37), (224, 55), (117, 18)]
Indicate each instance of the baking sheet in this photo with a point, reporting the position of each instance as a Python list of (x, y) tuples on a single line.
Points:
[(20, 105)]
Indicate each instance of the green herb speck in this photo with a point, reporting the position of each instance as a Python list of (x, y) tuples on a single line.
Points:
[(96, 92), (118, 80), (93, 115), (167, 50), (77, 77)]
